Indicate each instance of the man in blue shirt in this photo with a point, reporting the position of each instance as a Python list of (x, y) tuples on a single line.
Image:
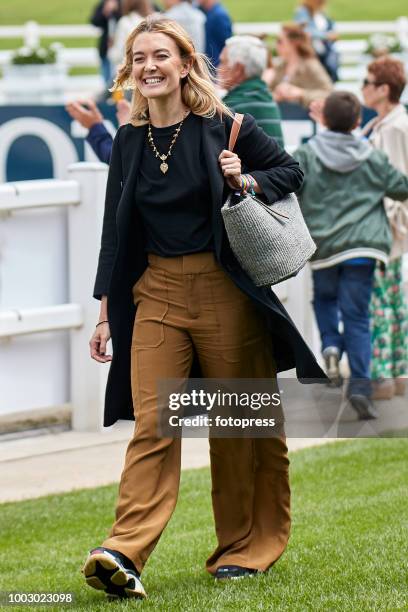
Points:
[(218, 28), (89, 116)]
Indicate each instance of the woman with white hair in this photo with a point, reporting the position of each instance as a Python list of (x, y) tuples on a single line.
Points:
[(242, 63)]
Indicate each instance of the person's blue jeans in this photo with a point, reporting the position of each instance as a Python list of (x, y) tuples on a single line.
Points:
[(343, 292), (106, 71)]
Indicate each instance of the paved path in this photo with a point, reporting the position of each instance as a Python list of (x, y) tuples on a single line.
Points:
[(59, 462)]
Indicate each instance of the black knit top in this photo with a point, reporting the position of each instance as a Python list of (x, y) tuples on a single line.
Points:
[(175, 207)]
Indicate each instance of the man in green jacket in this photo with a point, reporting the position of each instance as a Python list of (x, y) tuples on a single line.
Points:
[(341, 198), (242, 62)]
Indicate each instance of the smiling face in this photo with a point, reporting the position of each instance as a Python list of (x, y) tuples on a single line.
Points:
[(157, 66)]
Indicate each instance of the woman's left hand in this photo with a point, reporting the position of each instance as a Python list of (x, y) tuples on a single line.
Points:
[(231, 168)]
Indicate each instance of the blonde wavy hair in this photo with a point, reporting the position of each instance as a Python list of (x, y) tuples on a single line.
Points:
[(197, 88)]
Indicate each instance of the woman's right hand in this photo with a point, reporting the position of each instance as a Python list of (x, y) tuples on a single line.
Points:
[(98, 343)]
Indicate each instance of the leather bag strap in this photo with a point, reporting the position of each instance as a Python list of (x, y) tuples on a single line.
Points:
[(236, 126)]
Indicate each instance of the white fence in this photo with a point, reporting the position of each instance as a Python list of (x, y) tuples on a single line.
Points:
[(31, 31), (49, 242), (352, 52)]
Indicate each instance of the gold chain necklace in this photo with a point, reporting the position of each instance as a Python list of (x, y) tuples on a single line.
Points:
[(164, 165)]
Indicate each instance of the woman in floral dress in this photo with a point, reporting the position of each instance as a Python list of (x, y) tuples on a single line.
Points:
[(389, 131)]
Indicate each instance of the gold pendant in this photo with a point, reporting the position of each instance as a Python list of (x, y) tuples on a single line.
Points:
[(164, 167)]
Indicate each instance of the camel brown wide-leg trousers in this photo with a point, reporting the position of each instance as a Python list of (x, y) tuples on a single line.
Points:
[(188, 302)]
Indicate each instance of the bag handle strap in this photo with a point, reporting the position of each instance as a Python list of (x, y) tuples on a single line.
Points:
[(236, 126)]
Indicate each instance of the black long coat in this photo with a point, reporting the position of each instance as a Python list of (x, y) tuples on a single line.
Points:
[(122, 259)]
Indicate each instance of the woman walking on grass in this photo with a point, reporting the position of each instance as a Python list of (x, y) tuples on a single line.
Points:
[(177, 304)]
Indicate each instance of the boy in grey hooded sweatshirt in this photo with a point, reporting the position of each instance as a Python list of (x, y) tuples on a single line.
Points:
[(341, 198)]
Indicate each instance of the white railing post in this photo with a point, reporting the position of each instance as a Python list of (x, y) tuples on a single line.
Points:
[(88, 378), (402, 32), (31, 34)]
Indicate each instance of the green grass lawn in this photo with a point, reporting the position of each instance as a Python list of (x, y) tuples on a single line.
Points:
[(77, 11), (347, 550)]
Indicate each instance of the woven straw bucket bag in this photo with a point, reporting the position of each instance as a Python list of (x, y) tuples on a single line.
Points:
[(271, 242)]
